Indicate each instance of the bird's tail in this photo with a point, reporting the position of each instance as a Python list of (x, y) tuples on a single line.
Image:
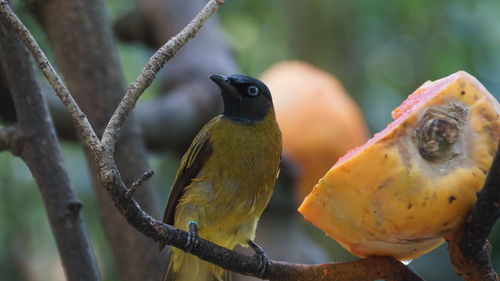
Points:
[(186, 267)]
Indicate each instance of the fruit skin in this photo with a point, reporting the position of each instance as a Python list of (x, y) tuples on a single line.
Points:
[(319, 121), (385, 198)]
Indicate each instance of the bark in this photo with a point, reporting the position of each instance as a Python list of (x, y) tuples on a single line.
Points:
[(9, 138), (469, 249), (172, 119), (280, 231), (369, 269), (80, 35), (188, 99), (36, 143)]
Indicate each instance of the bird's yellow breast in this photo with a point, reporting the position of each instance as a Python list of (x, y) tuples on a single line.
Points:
[(235, 184)]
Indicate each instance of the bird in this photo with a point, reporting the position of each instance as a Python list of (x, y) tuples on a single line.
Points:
[(225, 178)]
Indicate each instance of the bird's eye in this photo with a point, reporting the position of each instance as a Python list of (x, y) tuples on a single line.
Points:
[(253, 91)]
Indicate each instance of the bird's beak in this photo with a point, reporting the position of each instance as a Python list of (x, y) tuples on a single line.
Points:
[(222, 82)]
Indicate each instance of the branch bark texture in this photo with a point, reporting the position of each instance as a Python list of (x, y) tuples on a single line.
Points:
[(129, 208), (485, 213), (365, 269), (151, 69), (49, 73), (470, 251), (33, 139), (9, 139), (187, 99), (80, 35), (151, 227), (66, 23)]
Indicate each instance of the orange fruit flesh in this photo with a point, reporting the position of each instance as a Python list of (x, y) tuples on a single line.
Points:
[(415, 181)]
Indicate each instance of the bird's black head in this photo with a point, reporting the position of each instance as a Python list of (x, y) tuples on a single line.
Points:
[(246, 99)]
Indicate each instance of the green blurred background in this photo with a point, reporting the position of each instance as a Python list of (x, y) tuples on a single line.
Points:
[(380, 49)]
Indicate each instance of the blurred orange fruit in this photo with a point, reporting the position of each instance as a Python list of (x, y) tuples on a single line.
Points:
[(319, 121), (415, 182)]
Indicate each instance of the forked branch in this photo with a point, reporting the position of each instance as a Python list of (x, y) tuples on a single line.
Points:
[(365, 269), (48, 71)]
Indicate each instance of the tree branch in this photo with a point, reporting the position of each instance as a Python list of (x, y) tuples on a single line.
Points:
[(372, 268), (79, 33), (136, 184), (469, 249), (33, 139), (9, 137), (485, 213), (365, 269), (51, 75), (186, 100), (151, 69)]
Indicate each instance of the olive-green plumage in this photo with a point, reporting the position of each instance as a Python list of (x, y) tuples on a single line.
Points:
[(226, 177)]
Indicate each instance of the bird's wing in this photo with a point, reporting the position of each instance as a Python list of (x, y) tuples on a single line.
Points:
[(191, 164)]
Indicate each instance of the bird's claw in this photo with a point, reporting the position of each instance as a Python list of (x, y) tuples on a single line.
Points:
[(192, 238), (262, 258)]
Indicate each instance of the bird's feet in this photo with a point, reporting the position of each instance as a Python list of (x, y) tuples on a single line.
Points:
[(261, 257), (192, 239)]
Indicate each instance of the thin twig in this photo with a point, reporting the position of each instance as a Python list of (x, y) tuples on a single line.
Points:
[(8, 138), (374, 267), (36, 144), (48, 71), (136, 184), (151, 69)]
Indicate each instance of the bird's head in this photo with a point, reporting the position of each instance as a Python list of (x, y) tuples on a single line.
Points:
[(246, 99)]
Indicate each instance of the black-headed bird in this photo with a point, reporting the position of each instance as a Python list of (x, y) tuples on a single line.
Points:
[(226, 177)]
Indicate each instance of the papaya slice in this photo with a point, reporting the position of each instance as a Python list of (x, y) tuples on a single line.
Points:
[(414, 182)]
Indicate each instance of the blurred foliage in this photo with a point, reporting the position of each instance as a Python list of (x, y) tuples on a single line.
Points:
[(381, 49)]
